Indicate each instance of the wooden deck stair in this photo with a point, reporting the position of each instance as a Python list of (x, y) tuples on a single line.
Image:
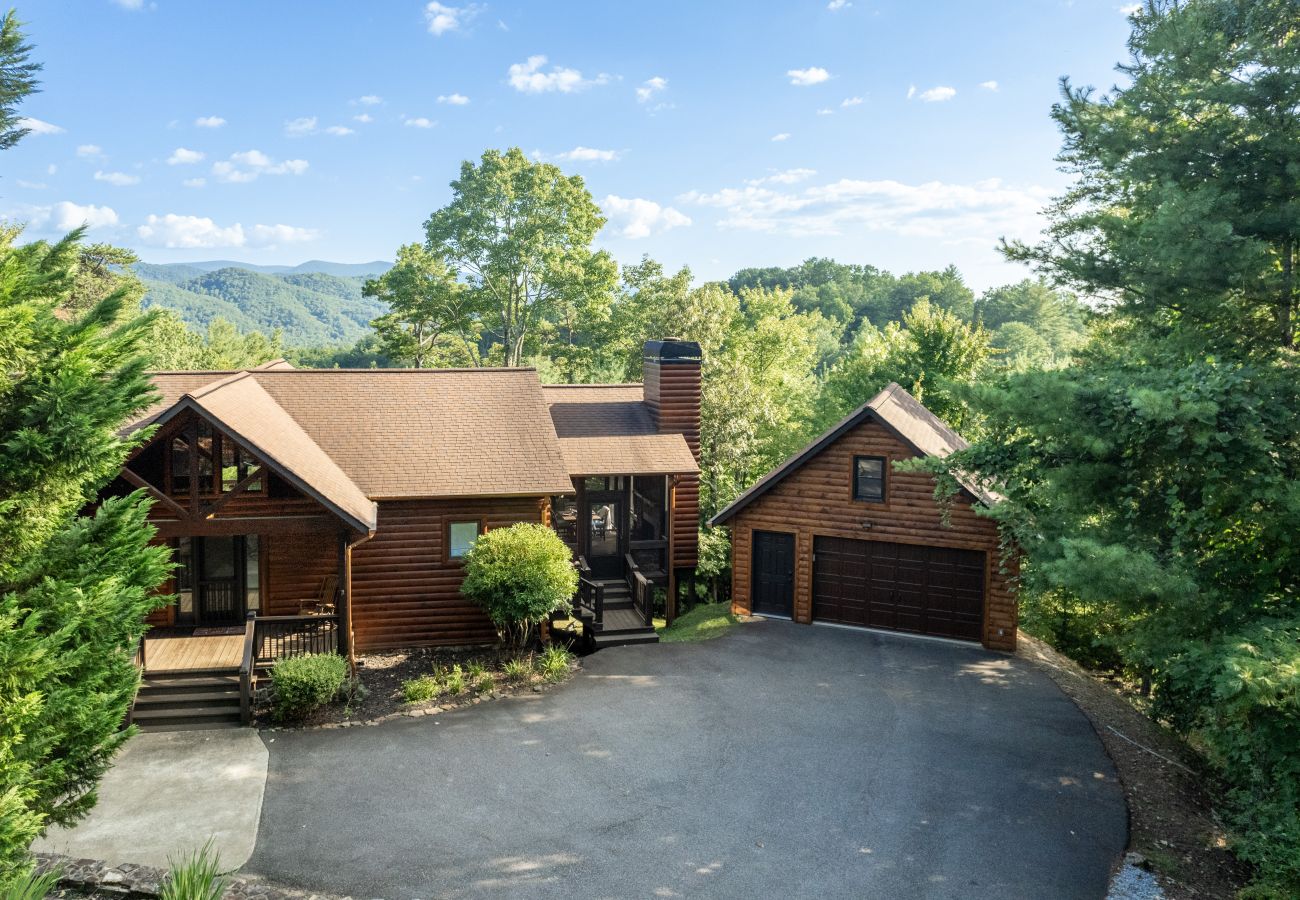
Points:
[(622, 623), (184, 701)]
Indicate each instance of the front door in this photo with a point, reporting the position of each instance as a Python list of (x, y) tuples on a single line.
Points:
[(605, 515), (221, 595), (773, 587)]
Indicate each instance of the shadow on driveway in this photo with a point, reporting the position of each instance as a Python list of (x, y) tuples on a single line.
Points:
[(779, 760)]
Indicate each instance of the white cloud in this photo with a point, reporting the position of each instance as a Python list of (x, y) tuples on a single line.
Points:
[(191, 232), (364, 118), (182, 157), (51, 168), (811, 75), (194, 182), (1131, 9), (65, 215), (529, 78), (454, 99), (634, 217), (911, 91), (132, 5), (370, 100), (588, 154), (418, 122), (785, 176), (935, 94), (118, 179), (989, 85), (89, 150), (836, 5), (650, 87), (36, 126), (32, 185), (339, 130), (209, 121), (945, 212), (851, 101), (248, 165), (442, 18), (825, 111), (300, 127), (783, 136)]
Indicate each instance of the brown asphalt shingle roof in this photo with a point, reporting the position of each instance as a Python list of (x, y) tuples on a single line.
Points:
[(899, 412), (608, 429), (405, 432)]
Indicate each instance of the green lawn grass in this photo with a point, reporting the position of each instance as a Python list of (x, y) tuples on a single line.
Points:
[(706, 621)]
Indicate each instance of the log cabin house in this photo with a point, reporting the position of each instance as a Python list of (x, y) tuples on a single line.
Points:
[(835, 535), (329, 510)]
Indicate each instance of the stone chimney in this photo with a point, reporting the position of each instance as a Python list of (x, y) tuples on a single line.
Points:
[(671, 370)]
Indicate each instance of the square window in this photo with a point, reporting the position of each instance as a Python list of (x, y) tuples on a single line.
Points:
[(869, 478), (460, 537)]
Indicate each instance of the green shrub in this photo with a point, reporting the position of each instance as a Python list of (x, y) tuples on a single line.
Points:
[(196, 877), (519, 575), (453, 681), (30, 886), (303, 683), (476, 670), (554, 662), (517, 669), (417, 690)]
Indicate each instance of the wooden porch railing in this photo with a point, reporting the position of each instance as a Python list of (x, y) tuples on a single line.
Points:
[(643, 597), (279, 637)]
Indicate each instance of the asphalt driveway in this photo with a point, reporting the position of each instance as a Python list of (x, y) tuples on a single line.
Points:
[(777, 761)]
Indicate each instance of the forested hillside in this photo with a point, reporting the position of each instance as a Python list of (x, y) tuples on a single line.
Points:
[(311, 304)]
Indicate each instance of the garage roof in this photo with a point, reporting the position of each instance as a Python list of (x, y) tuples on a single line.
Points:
[(899, 412)]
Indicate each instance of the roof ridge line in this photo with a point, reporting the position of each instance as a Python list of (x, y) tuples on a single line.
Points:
[(217, 385)]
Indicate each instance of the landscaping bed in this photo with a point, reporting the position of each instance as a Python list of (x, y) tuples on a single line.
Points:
[(411, 681), (1172, 825)]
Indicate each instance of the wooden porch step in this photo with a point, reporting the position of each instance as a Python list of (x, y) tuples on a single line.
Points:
[(176, 701), (625, 638), (154, 700)]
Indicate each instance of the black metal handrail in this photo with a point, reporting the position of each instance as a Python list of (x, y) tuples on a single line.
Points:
[(279, 637)]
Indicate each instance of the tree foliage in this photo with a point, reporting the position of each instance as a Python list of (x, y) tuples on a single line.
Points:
[(17, 79), (520, 232), (430, 317), (74, 589)]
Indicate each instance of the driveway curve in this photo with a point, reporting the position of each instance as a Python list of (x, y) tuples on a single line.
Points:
[(777, 761)]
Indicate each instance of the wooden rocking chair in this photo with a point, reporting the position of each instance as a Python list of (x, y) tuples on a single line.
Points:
[(323, 603)]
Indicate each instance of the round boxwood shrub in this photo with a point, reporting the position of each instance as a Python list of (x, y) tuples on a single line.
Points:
[(303, 683), (520, 575)]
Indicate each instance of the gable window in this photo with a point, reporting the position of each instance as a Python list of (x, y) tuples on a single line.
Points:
[(869, 478), (460, 537)]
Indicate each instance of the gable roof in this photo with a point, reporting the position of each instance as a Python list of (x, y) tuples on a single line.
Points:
[(608, 429), (900, 413), (403, 433), (240, 407)]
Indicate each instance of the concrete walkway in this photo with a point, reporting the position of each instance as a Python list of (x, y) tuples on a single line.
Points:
[(167, 794)]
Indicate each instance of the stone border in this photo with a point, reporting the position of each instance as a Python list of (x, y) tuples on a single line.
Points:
[(538, 688), (99, 879)]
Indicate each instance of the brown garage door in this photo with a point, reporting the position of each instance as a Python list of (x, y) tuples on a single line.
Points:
[(904, 587)]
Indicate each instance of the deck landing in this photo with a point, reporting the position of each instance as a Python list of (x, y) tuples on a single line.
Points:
[(187, 653)]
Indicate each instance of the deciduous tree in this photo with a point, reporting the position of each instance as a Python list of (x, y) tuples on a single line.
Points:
[(428, 310)]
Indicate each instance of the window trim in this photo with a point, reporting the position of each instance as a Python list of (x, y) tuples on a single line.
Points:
[(884, 479), (446, 535)]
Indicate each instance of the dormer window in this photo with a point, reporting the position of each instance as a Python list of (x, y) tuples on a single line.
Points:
[(869, 478)]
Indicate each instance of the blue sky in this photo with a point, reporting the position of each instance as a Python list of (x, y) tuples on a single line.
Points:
[(716, 135)]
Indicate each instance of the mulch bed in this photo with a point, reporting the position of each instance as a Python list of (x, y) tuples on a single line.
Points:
[(1171, 818), (383, 674)]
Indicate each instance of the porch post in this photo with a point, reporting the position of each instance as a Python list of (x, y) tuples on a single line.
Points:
[(670, 602), (345, 597)]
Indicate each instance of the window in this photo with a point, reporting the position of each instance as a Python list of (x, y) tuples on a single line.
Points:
[(180, 463), (460, 537), (236, 465), (869, 478)]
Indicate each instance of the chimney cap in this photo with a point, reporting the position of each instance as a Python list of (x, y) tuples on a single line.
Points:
[(672, 350)]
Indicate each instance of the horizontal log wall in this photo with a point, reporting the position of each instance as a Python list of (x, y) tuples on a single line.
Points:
[(817, 499), (405, 592)]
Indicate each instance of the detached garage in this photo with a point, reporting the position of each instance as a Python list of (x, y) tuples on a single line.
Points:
[(835, 535)]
